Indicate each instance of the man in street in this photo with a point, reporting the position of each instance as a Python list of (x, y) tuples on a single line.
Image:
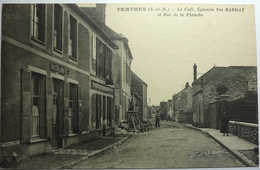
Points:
[(157, 119)]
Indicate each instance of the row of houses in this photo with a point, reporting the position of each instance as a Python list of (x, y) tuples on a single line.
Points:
[(66, 77), (232, 90)]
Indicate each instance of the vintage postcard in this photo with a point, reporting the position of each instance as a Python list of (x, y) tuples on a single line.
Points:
[(129, 85)]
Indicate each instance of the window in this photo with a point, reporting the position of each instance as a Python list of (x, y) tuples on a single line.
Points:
[(73, 109), (38, 100), (36, 107), (73, 39), (103, 60), (38, 22), (57, 27)]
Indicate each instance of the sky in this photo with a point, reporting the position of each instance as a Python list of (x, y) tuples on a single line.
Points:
[(165, 48)]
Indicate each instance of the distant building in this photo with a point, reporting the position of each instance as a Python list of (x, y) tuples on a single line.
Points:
[(139, 93), (182, 105), (164, 109), (170, 110)]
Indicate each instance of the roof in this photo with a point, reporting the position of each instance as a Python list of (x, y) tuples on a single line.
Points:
[(208, 76), (186, 86), (84, 15), (113, 35), (138, 77)]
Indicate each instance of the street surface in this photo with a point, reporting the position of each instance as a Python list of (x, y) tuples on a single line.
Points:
[(170, 146)]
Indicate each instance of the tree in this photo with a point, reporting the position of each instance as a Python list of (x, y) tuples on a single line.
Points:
[(221, 89)]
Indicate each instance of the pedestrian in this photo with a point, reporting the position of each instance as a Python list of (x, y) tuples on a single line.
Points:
[(224, 124), (157, 119)]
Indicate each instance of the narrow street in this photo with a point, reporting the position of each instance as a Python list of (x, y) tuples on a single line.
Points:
[(171, 146)]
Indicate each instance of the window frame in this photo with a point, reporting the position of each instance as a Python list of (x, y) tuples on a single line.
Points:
[(58, 28), (38, 93), (72, 39), (41, 23)]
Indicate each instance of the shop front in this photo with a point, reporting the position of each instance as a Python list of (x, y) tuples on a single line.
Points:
[(102, 108)]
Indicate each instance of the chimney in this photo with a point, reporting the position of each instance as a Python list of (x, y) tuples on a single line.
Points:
[(187, 85), (101, 15), (194, 72)]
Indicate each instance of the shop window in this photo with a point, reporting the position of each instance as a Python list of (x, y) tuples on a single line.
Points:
[(57, 28), (38, 22), (98, 111), (109, 111)]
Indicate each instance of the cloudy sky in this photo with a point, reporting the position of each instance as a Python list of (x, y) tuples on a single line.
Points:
[(165, 48)]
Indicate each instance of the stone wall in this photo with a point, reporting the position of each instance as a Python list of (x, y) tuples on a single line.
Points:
[(246, 131), (215, 111), (197, 104)]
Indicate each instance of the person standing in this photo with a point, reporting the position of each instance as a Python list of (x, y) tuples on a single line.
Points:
[(157, 119), (224, 124)]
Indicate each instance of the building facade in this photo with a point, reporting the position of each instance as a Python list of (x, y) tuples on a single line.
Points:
[(121, 63), (139, 93), (183, 105), (56, 68), (164, 110)]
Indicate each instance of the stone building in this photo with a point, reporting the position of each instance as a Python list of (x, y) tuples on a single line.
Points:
[(239, 80), (182, 103), (170, 110), (56, 74), (121, 62), (164, 109), (139, 93)]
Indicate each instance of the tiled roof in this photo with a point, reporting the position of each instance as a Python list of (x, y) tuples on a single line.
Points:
[(209, 76), (84, 15)]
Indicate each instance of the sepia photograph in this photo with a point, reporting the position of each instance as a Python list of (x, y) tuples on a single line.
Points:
[(101, 85)]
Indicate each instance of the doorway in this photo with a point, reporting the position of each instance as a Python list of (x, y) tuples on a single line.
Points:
[(57, 112)]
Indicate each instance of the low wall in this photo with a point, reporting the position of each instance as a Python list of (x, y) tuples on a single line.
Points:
[(247, 131)]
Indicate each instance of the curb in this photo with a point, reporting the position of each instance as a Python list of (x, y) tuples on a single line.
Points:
[(92, 154), (236, 153)]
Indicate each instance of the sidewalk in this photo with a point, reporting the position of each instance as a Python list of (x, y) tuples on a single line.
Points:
[(66, 157), (241, 148)]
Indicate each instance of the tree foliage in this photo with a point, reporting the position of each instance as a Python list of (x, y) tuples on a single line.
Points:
[(221, 89)]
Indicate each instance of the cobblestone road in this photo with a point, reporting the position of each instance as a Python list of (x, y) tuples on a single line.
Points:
[(170, 146)]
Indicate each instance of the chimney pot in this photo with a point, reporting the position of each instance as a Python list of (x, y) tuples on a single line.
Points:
[(194, 72)]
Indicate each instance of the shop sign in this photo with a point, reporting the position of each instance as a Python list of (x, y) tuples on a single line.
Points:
[(57, 68), (101, 87)]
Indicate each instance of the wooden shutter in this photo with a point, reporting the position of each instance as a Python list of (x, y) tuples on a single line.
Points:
[(93, 110), (49, 101), (26, 106), (75, 108), (80, 123), (66, 109), (43, 109)]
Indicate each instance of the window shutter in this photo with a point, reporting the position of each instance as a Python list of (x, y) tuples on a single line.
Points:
[(49, 83), (66, 108), (26, 106), (80, 92), (76, 111), (93, 110), (80, 123)]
